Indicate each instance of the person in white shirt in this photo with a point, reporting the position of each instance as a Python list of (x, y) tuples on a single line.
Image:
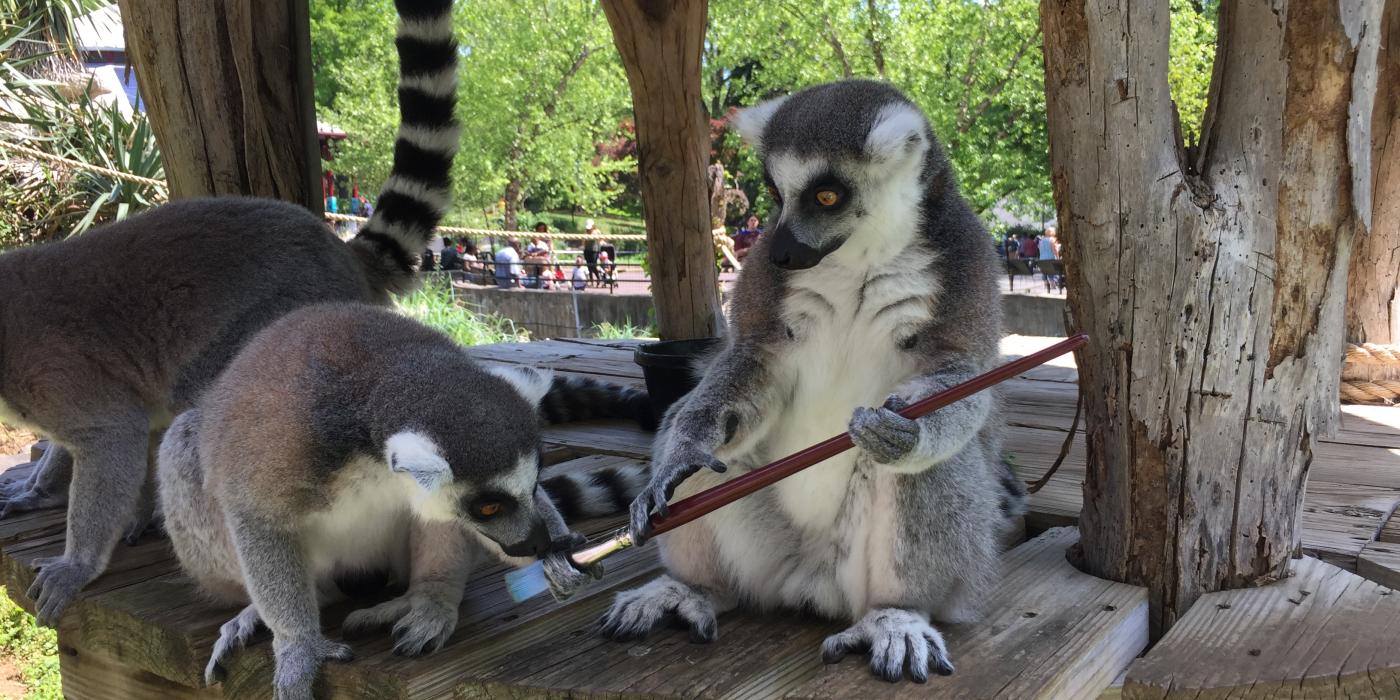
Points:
[(508, 267), (580, 276)]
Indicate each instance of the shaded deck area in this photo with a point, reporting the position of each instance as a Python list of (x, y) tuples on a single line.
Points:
[(1050, 631)]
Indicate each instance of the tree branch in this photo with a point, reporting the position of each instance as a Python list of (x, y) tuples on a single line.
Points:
[(968, 76), (876, 48), (838, 49), (965, 120)]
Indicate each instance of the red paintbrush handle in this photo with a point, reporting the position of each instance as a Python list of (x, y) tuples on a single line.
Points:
[(705, 502)]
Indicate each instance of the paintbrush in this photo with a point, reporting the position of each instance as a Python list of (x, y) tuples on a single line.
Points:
[(562, 573)]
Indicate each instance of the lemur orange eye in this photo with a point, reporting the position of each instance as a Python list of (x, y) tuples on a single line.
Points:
[(828, 198), (488, 509)]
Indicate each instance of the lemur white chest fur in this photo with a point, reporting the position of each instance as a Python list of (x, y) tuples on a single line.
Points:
[(849, 318), (367, 523), (848, 322)]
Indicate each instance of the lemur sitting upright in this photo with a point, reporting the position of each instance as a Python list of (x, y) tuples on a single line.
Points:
[(875, 286), (105, 337), (346, 437)]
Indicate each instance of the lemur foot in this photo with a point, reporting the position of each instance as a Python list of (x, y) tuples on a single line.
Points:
[(298, 662), (57, 583), (233, 635), (421, 623), (676, 461), (32, 499), (635, 612), (884, 434), (890, 636)]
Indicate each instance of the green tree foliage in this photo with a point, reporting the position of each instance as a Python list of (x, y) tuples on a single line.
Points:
[(546, 108), (540, 87), (974, 67), (1192, 56)]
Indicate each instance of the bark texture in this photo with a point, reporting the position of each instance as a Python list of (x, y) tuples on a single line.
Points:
[(227, 86), (1373, 292), (1212, 281), (660, 42)]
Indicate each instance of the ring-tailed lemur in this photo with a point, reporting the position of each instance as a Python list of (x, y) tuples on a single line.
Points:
[(345, 437), (105, 337), (875, 286)]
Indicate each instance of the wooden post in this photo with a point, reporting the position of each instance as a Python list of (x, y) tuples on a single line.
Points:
[(1373, 288), (1212, 280), (227, 87), (660, 43)]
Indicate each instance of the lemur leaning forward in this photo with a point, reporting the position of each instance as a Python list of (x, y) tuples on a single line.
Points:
[(106, 337), (347, 438), (875, 286)]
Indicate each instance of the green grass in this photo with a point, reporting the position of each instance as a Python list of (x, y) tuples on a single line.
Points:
[(433, 305), (626, 331), (33, 649)]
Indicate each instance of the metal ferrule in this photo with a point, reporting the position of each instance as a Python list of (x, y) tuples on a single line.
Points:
[(592, 554)]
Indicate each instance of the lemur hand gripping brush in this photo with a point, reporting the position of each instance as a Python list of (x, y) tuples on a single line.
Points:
[(562, 574)]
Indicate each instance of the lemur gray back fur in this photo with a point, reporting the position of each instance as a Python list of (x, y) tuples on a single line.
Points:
[(104, 337), (874, 285), (344, 438)]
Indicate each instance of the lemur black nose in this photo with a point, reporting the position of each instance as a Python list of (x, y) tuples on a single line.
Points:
[(536, 545), (790, 254)]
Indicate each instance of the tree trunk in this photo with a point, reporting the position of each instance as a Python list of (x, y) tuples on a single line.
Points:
[(511, 197), (1373, 289), (227, 87), (660, 43), (1212, 286)]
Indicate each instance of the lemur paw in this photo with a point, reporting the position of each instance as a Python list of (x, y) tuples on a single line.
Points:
[(676, 462), (634, 613), (57, 583), (421, 625), (299, 661), (890, 636), (32, 499), (233, 635), (884, 434)]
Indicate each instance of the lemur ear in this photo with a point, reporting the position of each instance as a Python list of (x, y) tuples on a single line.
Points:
[(532, 383), (897, 135), (750, 122), (417, 455)]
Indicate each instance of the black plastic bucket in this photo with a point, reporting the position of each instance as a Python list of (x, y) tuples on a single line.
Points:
[(669, 368)]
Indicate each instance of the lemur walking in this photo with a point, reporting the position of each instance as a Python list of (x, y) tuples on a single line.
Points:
[(875, 286), (346, 437), (106, 337)]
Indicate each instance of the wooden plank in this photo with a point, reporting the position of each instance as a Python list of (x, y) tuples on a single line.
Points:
[(1322, 633), (575, 357), (1390, 531), (1338, 520), (618, 438), (89, 675), (1380, 562), (1051, 632)]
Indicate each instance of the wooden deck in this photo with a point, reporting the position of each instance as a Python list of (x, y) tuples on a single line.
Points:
[(1051, 632)]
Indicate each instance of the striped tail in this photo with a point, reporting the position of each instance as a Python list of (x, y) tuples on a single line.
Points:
[(598, 493), (572, 398), (419, 188)]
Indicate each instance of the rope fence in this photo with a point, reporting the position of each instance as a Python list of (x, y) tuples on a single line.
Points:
[(1353, 390), (79, 165), (1374, 390), (498, 233)]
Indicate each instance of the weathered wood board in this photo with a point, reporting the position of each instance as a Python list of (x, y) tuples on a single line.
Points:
[(1324, 632), (143, 631)]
